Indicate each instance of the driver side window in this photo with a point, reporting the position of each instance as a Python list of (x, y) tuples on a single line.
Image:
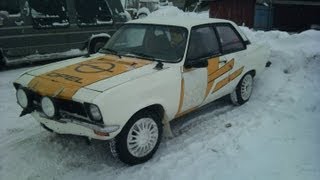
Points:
[(203, 43)]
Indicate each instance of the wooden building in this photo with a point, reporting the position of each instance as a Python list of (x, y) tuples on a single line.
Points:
[(288, 15)]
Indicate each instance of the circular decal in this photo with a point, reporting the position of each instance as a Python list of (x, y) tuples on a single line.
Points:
[(95, 67)]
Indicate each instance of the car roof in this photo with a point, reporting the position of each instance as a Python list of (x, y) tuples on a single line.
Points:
[(183, 21)]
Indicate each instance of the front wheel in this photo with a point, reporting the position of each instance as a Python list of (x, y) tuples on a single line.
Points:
[(139, 139), (243, 91)]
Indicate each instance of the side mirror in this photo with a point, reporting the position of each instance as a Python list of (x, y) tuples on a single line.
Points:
[(26, 9), (201, 63)]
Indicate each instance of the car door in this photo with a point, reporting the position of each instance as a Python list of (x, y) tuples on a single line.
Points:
[(233, 57), (203, 53)]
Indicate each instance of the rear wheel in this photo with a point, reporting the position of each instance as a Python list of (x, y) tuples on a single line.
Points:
[(243, 91), (139, 139)]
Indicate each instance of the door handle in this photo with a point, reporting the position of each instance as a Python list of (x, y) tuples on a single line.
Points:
[(223, 61)]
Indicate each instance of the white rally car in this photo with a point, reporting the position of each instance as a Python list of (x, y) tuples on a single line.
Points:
[(150, 72)]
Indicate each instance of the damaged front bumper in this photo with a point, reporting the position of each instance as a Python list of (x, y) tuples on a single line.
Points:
[(75, 127)]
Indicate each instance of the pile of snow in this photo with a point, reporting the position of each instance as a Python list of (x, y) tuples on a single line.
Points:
[(169, 11), (290, 50), (273, 136)]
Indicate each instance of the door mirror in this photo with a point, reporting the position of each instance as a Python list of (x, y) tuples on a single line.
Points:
[(202, 63), (26, 9)]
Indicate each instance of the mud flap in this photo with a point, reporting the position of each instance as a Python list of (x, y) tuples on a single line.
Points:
[(167, 132)]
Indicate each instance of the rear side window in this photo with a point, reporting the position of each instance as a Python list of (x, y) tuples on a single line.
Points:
[(93, 12), (203, 43), (229, 39), (10, 6), (49, 13)]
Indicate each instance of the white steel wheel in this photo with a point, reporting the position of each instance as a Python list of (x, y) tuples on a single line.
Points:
[(243, 91), (246, 87), (142, 137), (139, 139)]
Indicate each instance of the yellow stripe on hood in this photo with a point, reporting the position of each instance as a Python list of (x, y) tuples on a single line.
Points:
[(65, 82)]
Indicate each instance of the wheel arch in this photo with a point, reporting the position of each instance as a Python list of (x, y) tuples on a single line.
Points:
[(252, 72), (96, 38), (158, 108)]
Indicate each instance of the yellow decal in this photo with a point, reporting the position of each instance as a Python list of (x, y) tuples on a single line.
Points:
[(213, 66), (65, 82), (185, 112), (228, 79), (221, 71), (181, 96), (215, 72)]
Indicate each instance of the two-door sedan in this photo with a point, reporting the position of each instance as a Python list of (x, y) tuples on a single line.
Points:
[(150, 72)]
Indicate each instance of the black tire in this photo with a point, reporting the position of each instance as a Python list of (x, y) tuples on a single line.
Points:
[(96, 45), (119, 145), (239, 96)]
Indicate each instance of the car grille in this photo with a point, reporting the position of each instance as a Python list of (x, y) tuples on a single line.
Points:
[(68, 106)]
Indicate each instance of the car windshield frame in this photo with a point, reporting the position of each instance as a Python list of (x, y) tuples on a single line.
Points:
[(110, 47)]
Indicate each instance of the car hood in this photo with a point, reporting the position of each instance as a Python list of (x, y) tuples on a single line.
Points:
[(97, 73)]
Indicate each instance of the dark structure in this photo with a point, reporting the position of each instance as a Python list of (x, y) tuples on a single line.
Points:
[(296, 15), (241, 12), (32, 29), (288, 15)]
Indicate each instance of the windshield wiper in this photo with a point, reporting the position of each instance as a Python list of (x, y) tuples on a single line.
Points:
[(111, 51), (159, 65)]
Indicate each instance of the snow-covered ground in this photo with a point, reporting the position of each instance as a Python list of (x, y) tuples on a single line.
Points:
[(273, 136)]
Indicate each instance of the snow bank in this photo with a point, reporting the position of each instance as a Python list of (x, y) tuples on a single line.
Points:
[(169, 11), (293, 51)]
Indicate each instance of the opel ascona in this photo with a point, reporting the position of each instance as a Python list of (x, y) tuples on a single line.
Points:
[(150, 72)]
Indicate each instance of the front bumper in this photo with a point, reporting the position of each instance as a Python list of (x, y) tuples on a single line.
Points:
[(69, 126)]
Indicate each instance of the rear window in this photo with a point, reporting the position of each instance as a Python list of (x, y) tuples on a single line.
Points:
[(229, 39)]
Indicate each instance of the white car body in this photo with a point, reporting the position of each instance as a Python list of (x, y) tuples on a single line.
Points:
[(176, 89)]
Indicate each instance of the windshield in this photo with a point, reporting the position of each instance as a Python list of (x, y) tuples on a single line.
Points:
[(154, 42)]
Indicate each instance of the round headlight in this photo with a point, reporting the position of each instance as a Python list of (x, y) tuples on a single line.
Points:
[(48, 107), (95, 112), (22, 98)]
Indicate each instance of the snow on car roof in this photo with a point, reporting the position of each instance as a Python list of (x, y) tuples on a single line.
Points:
[(183, 21)]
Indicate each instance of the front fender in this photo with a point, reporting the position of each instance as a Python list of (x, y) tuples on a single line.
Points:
[(120, 103)]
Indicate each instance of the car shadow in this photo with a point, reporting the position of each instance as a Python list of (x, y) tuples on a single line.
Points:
[(67, 153)]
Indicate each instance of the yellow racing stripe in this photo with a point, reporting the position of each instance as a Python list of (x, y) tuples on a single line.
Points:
[(181, 98), (228, 79), (213, 66), (221, 71), (65, 82)]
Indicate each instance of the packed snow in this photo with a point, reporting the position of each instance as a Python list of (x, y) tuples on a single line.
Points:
[(273, 136)]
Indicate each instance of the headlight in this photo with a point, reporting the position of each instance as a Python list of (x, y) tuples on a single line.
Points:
[(94, 112), (22, 98), (48, 107)]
